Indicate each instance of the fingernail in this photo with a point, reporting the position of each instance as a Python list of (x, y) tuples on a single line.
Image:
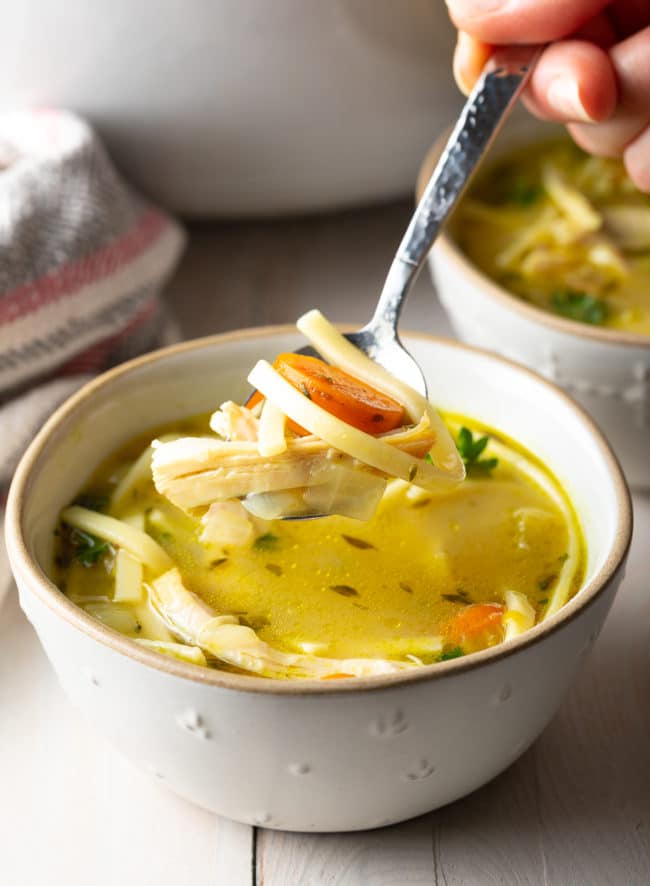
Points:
[(461, 75), (563, 96), (476, 7)]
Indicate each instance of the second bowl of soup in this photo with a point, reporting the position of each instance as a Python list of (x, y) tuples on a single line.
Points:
[(547, 261)]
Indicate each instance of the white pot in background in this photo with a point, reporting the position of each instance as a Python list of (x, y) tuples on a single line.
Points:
[(243, 106)]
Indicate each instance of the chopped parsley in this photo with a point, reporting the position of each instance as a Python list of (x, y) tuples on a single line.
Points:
[(579, 306), (344, 590), (266, 542), (88, 549), (458, 597), (360, 543), (544, 583), (91, 500), (273, 568), (471, 449), (524, 192), (456, 652)]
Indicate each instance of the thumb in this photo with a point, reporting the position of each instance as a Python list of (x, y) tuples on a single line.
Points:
[(522, 21)]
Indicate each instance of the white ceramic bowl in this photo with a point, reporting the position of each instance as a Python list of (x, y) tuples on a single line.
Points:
[(607, 371), (307, 755), (218, 107)]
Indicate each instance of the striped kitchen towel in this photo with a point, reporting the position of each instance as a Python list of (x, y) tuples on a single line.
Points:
[(82, 262)]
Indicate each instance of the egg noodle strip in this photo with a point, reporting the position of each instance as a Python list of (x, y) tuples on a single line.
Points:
[(128, 578), (118, 533), (562, 590), (271, 439), (137, 473)]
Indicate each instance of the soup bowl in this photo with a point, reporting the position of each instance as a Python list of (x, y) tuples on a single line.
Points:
[(606, 370), (308, 755)]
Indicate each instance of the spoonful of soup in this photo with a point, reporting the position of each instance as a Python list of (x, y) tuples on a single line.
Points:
[(322, 434)]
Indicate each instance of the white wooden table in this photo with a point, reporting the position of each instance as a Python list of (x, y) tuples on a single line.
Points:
[(575, 809)]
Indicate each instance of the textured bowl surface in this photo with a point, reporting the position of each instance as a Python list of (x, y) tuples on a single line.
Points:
[(607, 371), (306, 755)]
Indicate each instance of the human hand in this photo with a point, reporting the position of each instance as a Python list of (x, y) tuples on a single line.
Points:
[(595, 75)]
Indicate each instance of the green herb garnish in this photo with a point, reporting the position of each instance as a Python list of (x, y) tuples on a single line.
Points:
[(545, 583), (458, 597), (579, 306), (91, 500), (344, 590), (471, 450), (305, 390), (88, 549), (524, 192), (456, 652), (266, 542), (360, 543), (273, 568)]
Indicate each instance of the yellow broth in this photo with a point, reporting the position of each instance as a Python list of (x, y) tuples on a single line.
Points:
[(511, 227), (335, 586)]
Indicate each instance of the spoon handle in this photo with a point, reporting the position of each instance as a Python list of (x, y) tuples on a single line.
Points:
[(497, 89)]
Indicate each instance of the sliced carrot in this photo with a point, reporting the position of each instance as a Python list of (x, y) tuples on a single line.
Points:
[(340, 394), (336, 676), (254, 399), (477, 625)]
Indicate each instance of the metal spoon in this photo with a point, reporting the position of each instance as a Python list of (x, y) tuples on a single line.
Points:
[(488, 106), (500, 84)]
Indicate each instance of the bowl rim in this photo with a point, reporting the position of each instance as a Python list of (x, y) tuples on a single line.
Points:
[(446, 248), (46, 591)]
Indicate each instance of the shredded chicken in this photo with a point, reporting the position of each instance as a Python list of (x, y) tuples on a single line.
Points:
[(227, 523), (222, 636), (197, 471), (234, 422)]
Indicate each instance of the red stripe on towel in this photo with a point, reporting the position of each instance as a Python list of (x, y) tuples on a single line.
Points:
[(93, 359), (69, 278)]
